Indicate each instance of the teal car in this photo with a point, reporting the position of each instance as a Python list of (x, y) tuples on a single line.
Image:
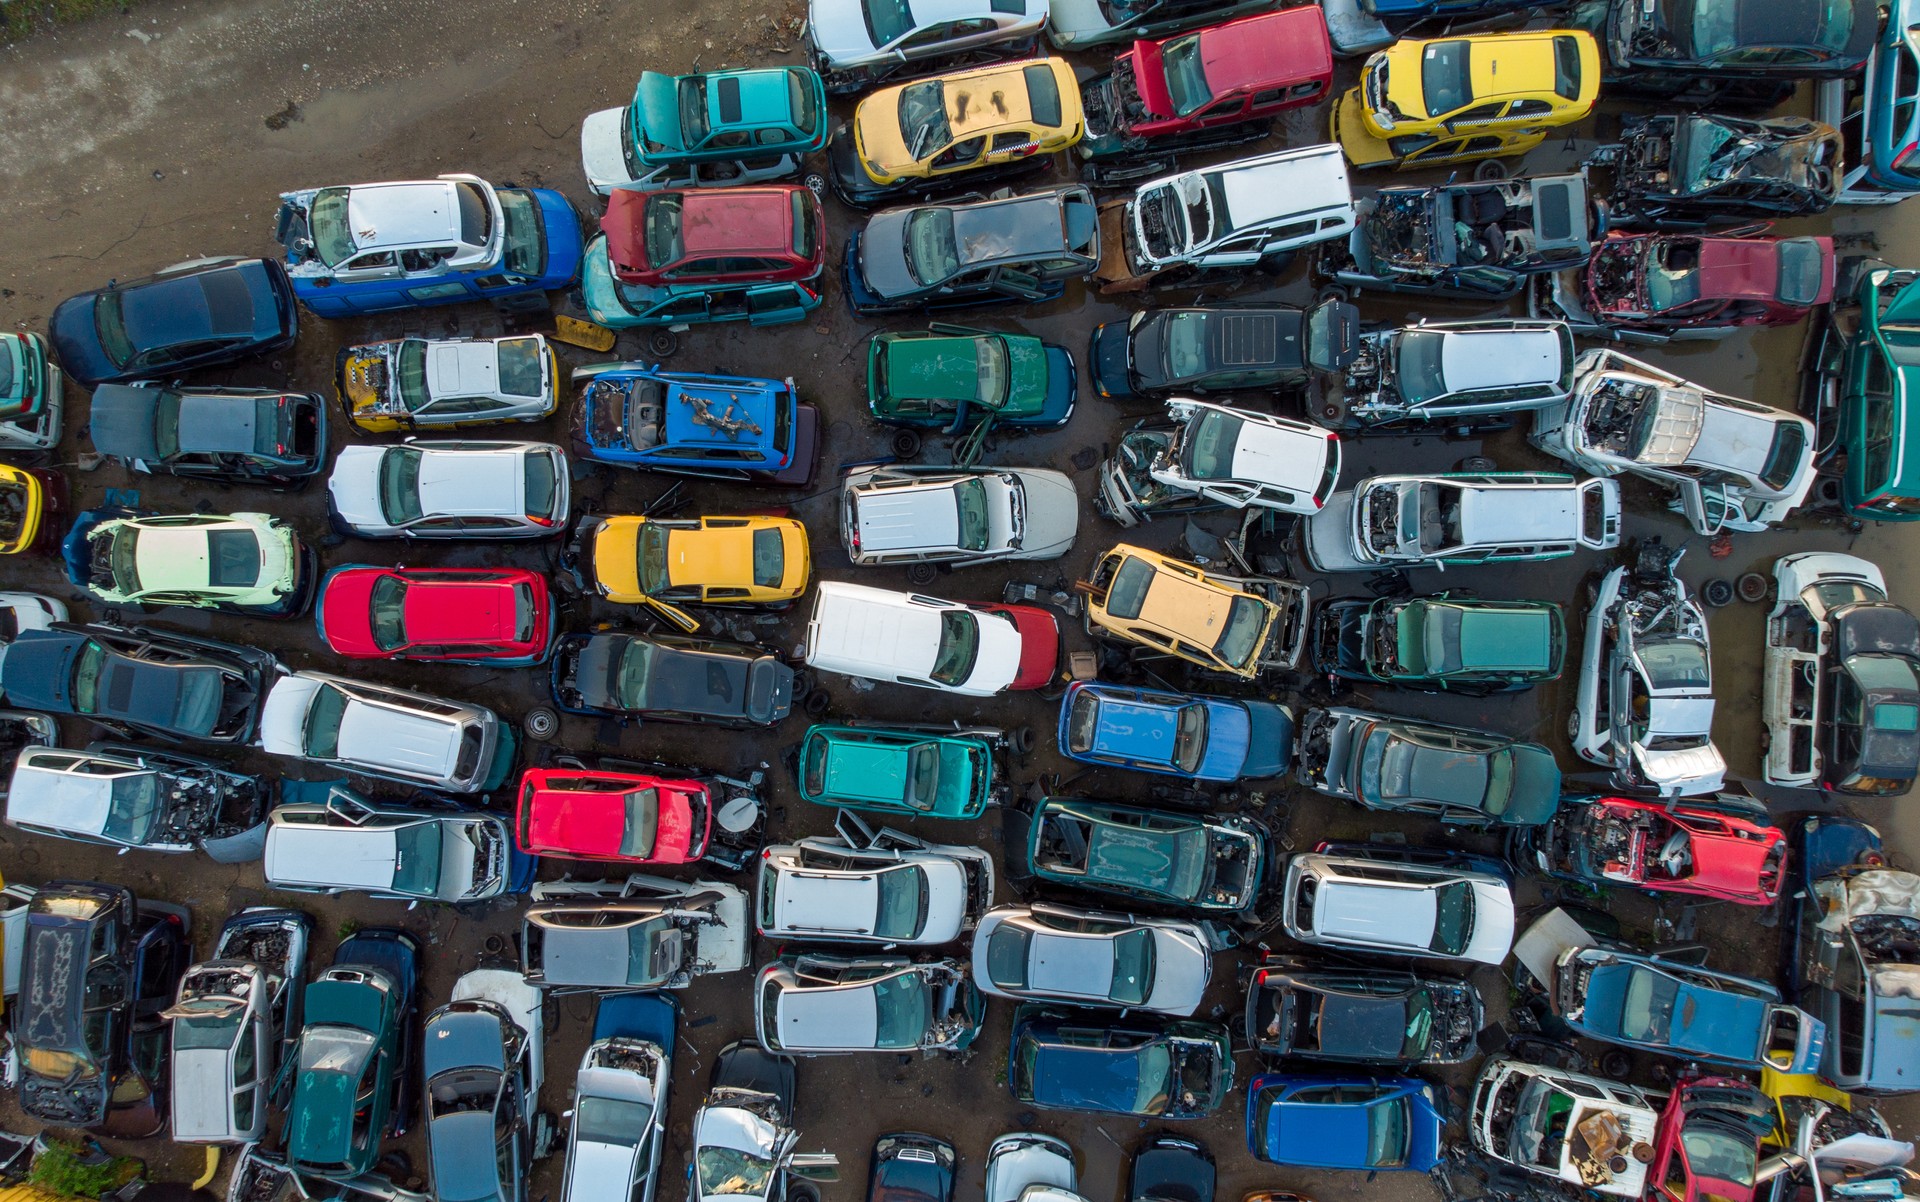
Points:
[(1194, 861), (917, 773), (710, 130), (948, 377), (30, 384), (352, 1064), (1443, 644), (622, 306), (1863, 383)]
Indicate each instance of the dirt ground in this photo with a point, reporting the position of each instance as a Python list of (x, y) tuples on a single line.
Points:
[(136, 141)]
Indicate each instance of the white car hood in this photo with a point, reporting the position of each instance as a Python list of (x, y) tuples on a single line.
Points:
[(946, 901), (354, 486), (283, 719), (1182, 966), (838, 32), (1053, 513), (1690, 770), (601, 156), (1070, 20), (1492, 935), (998, 661)]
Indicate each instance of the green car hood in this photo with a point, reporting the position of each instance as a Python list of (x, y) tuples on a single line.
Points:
[(321, 1125)]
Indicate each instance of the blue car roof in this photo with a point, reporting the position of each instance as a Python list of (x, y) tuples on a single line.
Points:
[(1142, 727), (1085, 1078), (1334, 1134), (737, 400)]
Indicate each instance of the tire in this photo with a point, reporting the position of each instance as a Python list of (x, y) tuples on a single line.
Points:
[(541, 723), (1020, 740), (922, 573), (802, 687), (1573, 727), (815, 706), (1717, 592), (662, 343), (1478, 464), (1488, 170), (1753, 587), (816, 184), (906, 443)]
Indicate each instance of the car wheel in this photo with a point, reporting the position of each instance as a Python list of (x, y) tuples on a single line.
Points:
[(1717, 592), (1573, 727), (802, 687), (1490, 169), (906, 443), (816, 184), (922, 573), (541, 723), (1020, 740), (1478, 464), (662, 343), (1753, 587), (816, 703)]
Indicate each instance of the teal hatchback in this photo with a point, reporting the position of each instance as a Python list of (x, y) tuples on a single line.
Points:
[(708, 130), (1442, 643), (898, 771), (618, 305)]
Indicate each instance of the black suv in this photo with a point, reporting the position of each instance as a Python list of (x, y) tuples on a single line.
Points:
[(97, 968)]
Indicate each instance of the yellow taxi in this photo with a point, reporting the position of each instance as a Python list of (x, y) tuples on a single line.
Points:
[(1143, 597), (26, 502), (661, 562), (966, 120)]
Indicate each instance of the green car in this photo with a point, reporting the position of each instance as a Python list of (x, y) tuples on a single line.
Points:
[(1860, 380), (1191, 860), (353, 1065), (1443, 644), (720, 127), (950, 376), (246, 563), (922, 774)]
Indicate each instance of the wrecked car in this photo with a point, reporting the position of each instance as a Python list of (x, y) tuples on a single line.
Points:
[(1362, 1015), (811, 1004), (1723, 847), (1234, 625), (249, 564), (1859, 378), (444, 383), (1461, 776), (1462, 518), (1136, 1065), (621, 1093), (1206, 456), (1192, 861), (910, 514), (341, 842), (1574, 1128), (1463, 374), (743, 1134), (735, 428), (1708, 1141), (1696, 168), (670, 678), (138, 797), (949, 377), (1442, 643), (1705, 53), (30, 386), (482, 1080), (854, 44), (644, 932), (221, 434), (922, 772)]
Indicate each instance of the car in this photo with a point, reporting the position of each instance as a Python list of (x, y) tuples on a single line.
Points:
[(353, 1060), (1443, 643), (97, 969), (1874, 113), (1195, 862), (974, 649), (669, 678), (621, 1095), (1857, 384), (1218, 86), (709, 129), (827, 890), (132, 680), (1690, 1012), (406, 244), (1457, 374), (910, 1167), (252, 564), (225, 435), (1462, 776), (1416, 152), (1644, 705), (1078, 24), (1367, 1124), (856, 44), (1193, 351), (445, 383), (774, 234), (1419, 89), (342, 842), (30, 393), (264, 1175), (950, 377), (1023, 1161), (1188, 735), (1724, 848), (918, 772), (1078, 957), (809, 1004), (1206, 456), (480, 1091), (450, 489), (972, 252), (378, 730), (1462, 518), (643, 932), (482, 616), (1238, 626), (1168, 1167), (957, 517), (735, 428), (1708, 1142), (663, 563), (1529, 1117), (910, 139), (1688, 168), (619, 306), (1473, 240), (138, 797), (743, 1133), (21, 731), (1840, 694), (1361, 1015), (200, 313), (1702, 53), (1372, 899), (29, 500), (1131, 1065), (577, 812)]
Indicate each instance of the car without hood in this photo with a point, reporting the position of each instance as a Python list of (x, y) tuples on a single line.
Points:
[(1193, 861), (1462, 518), (621, 1094), (1529, 1116), (136, 797), (1707, 1145), (1206, 456), (824, 889), (1691, 168), (1233, 215), (1460, 374), (743, 1134), (1238, 626), (444, 383), (749, 430), (1361, 1015), (31, 383), (1724, 847), (644, 932), (808, 1004), (480, 1093), (352, 1067)]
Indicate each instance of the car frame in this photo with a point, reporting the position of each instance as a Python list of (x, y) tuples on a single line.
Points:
[(1342, 1014), (571, 935), (1708, 1141), (1511, 1121), (1693, 168)]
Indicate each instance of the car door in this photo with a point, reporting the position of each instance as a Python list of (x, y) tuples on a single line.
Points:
[(775, 305)]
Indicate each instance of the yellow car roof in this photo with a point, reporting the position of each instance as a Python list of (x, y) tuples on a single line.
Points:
[(977, 101)]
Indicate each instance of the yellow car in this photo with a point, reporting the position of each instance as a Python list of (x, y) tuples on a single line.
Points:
[(26, 501), (657, 562), (1144, 597), (970, 119), (1425, 150)]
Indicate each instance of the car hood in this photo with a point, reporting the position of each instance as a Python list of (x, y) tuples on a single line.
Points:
[(76, 343), (1052, 512), (883, 256), (837, 33), (1536, 787), (354, 486), (1492, 935), (1269, 740), (465, 1168), (1688, 770), (947, 897), (283, 721), (121, 421), (37, 670), (602, 156), (1182, 966)]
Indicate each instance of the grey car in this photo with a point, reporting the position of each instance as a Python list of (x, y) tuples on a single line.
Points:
[(1012, 248), (1461, 776), (223, 434), (856, 44), (1047, 952), (646, 932), (1456, 373)]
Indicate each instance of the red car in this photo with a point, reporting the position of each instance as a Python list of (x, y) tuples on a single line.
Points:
[(492, 616), (1664, 283), (1721, 847), (580, 813), (1706, 1147), (768, 235)]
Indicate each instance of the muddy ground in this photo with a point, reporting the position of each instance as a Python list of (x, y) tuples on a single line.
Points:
[(131, 142)]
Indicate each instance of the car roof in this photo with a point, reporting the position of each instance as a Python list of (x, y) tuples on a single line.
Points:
[(1282, 184), (1395, 914), (823, 899), (64, 800), (838, 1016), (905, 517), (1475, 359), (574, 955), (398, 737), (473, 483), (357, 857), (1496, 637), (750, 400), (404, 213), (1077, 965), (1524, 514), (1264, 50), (987, 98), (1020, 227), (1289, 454), (713, 221), (1072, 1076)]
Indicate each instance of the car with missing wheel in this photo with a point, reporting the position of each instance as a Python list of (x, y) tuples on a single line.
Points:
[(670, 678), (1238, 626), (450, 489), (1462, 518), (252, 564), (707, 129), (344, 843), (1375, 899), (925, 772), (745, 429), (906, 514), (445, 383), (383, 731), (813, 1004), (1681, 168), (1462, 776), (1052, 953), (972, 251), (825, 890), (1189, 735), (222, 434), (976, 649), (1195, 862), (1351, 1015), (855, 44), (1444, 643)]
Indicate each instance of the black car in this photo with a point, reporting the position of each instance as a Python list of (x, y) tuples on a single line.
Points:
[(479, 1125), (1693, 168), (226, 435), (1221, 348), (670, 678), (1170, 1169), (200, 313), (130, 679), (1362, 1015), (1741, 51), (97, 969), (910, 1167), (973, 251)]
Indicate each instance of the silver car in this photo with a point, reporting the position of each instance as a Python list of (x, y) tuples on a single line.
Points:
[(620, 1096), (383, 731), (823, 889), (450, 490), (347, 844), (1093, 958), (1397, 908), (856, 44), (645, 932), (815, 1005), (956, 516)]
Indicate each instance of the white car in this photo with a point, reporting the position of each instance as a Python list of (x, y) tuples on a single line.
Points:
[(816, 1005), (1644, 706), (240, 562), (743, 1134), (1458, 372), (1462, 518), (1047, 952), (411, 383), (1209, 456), (1078, 24), (1397, 908), (450, 490), (138, 798), (347, 844), (435, 226), (820, 888), (20, 612), (906, 638), (620, 1098), (956, 516), (382, 731), (1529, 1116), (1236, 214), (856, 44), (1025, 1166), (1731, 463)]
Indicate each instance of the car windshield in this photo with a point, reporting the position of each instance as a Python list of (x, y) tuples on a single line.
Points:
[(769, 558), (662, 229), (693, 110), (337, 1051), (901, 909), (1419, 1029), (923, 775), (732, 1171), (1708, 149), (1184, 351), (634, 671), (1499, 783), (1190, 738), (1445, 80), (1420, 375), (526, 235), (1127, 594), (1186, 79), (887, 20), (1882, 673), (1675, 664), (642, 808), (970, 505), (542, 480), (86, 677), (1082, 720), (410, 374), (1240, 638), (1210, 445), (1387, 1133), (1647, 1005), (110, 324), (1720, 1155), (166, 423), (1155, 1066), (1132, 967), (1784, 456), (322, 735), (1452, 918), (519, 360), (930, 250), (124, 561), (959, 646), (990, 371), (1802, 269), (1717, 27), (615, 1122), (131, 806), (416, 859), (400, 486), (650, 557), (330, 226), (923, 117), (213, 1029), (900, 1003)]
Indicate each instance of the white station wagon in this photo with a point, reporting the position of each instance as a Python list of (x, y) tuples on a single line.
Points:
[(382, 731), (1404, 909), (1462, 518), (907, 515), (451, 490), (823, 889), (905, 638), (346, 844)]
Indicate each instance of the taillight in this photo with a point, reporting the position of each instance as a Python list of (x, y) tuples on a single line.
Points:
[(538, 520), (1905, 153)]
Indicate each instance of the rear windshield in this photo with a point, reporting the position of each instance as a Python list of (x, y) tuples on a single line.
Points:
[(520, 367), (542, 482), (661, 227), (1043, 94)]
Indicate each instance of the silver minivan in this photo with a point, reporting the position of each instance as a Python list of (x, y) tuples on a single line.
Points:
[(383, 731)]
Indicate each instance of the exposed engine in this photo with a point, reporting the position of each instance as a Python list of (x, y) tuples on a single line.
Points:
[(1654, 605), (1614, 274), (1383, 518), (202, 803), (952, 1025), (623, 413), (1313, 748), (1614, 415), (1235, 867), (1383, 645), (1114, 106), (1194, 1070), (1888, 938), (1400, 229), (1456, 1019), (625, 1055), (1160, 222)]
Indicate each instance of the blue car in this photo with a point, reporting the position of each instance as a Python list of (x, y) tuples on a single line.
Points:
[(366, 248), (201, 313), (618, 305), (1189, 735), (754, 431), (1374, 1124), (1132, 1065)]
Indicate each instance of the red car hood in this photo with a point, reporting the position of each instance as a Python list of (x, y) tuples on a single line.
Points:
[(1729, 865), (460, 613), (1039, 644), (344, 608), (595, 824)]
